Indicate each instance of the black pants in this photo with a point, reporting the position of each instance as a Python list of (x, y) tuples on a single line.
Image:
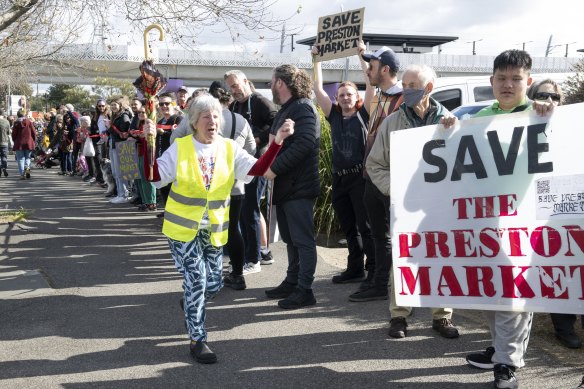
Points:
[(347, 200), (93, 164), (296, 225), (250, 218), (563, 322), (75, 156), (377, 206), (235, 244)]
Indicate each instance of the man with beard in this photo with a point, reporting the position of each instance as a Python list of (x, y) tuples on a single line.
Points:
[(296, 184), (260, 113)]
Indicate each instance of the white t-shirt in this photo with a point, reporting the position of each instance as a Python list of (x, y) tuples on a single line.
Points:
[(101, 124)]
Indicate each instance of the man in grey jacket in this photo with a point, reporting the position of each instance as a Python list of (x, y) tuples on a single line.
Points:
[(4, 136), (417, 110)]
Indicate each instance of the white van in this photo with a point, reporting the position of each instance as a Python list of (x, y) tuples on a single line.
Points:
[(453, 92)]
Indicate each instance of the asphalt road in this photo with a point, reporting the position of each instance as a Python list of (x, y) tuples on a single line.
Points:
[(89, 299)]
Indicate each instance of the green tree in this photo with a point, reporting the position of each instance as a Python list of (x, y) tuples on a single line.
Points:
[(574, 86), (56, 94), (106, 87), (80, 97)]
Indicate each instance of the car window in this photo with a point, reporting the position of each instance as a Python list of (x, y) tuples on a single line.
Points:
[(482, 93), (466, 112), (450, 98)]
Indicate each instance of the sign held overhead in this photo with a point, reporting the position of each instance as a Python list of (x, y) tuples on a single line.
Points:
[(339, 34)]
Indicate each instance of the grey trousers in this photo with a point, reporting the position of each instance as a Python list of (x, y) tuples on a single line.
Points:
[(510, 336)]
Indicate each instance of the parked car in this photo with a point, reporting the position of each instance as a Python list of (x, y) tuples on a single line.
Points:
[(453, 92)]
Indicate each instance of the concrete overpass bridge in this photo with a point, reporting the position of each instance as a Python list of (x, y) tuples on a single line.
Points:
[(81, 64)]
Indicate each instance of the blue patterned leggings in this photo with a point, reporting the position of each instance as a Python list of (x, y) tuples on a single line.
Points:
[(201, 265)]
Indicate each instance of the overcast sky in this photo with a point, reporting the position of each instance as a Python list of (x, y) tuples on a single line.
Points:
[(496, 25)]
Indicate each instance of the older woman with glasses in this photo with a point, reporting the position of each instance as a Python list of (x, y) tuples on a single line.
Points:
[(546, 89), (549, 90), (202, 169)]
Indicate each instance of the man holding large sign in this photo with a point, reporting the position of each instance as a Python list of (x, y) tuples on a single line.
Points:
[(465, 226), (339, 34), (418, 109)]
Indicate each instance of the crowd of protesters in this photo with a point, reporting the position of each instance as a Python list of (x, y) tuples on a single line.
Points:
[(240, 140)]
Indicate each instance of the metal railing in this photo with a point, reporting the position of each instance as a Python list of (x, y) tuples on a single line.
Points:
[(439, 62)]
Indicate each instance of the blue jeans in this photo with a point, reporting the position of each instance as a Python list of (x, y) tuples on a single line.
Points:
[(23, 160), (4, 157), (66, 162), (201, 265), (121, 184), (250, 218)]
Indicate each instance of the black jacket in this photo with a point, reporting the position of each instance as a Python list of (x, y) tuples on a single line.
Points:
[(122, 124), (296, 165), (163, 140)]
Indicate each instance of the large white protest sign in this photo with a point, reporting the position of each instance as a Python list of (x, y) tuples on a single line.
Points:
[(339, 34), (490, 215)]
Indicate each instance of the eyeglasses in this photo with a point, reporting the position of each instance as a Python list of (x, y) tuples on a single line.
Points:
[(546, 95), (101, 106), (164, 104)]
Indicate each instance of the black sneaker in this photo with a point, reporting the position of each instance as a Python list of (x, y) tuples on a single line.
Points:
[(398, 327), (300, 298), (371, 294), (87, 178), (202, 353), (349, 276), (482, 360), (27, 173), (505, 377), (5, 172), (282, 291), (267, 258), (445, 328), (234, 282), (569, 339)]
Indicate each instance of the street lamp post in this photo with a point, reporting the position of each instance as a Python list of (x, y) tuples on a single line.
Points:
[(568, 44), (523, 44), (474, 52)]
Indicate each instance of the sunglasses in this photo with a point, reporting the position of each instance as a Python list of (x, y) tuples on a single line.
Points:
[(546, 95), (164, 104), (101, 106)]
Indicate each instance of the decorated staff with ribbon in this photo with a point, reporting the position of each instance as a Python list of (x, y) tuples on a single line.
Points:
[(150, 83)]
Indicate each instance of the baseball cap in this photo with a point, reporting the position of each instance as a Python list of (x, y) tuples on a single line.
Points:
[(386, 56), (183, 89)]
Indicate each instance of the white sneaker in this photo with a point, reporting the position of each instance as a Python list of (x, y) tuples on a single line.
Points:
[(250, 268), (119, 200)]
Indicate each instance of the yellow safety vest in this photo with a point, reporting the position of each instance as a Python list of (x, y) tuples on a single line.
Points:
[(189, 198)]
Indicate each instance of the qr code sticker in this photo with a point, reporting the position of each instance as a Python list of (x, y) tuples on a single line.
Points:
[(543, 186)]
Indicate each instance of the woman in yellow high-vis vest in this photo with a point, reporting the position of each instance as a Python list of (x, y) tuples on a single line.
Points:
[(202, 169)]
